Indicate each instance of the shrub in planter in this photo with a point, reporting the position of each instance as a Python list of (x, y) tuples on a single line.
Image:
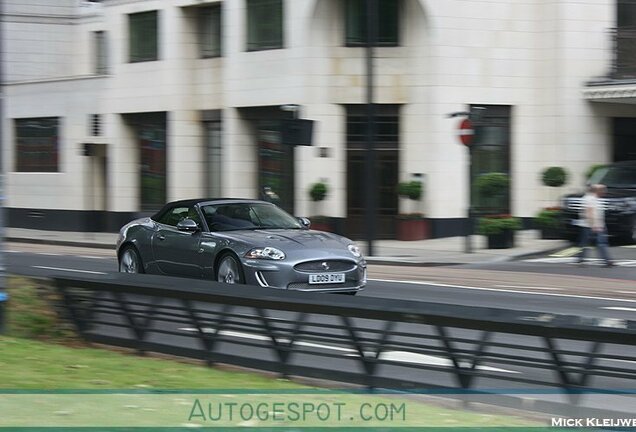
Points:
[(411, 226), (318, 192), (411, 190), (499, 230), (548, 221), (492, 184)]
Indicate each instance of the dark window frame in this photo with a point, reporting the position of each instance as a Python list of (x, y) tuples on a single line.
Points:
[(33, 150), (389, 15), (141, 47), (265, 25)]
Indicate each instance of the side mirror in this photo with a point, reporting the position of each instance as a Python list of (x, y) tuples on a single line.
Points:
[(188, 225), (306, 223)]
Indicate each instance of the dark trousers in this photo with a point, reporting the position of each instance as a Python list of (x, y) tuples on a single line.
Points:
[(587, 235)]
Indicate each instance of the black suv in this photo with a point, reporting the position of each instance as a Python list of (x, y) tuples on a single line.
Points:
[(619, 201)]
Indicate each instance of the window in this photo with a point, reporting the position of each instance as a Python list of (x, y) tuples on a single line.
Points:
[(264, 24), (101, 59), (175, 215), (214, 153), (491, 154), (356, 22), (37, 144), (210, 31), (143, 36)]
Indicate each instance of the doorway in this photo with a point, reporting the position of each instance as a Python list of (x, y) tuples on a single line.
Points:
[(386, 168)]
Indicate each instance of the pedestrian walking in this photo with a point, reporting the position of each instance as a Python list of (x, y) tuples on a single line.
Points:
[(592, 217)]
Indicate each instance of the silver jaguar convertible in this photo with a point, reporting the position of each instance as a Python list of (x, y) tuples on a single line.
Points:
[(242, 242)]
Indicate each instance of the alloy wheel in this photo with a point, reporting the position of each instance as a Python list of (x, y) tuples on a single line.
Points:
[(129, 262), (229, 271)]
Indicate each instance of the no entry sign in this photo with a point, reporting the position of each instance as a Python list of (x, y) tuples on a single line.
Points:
[(466, 132)]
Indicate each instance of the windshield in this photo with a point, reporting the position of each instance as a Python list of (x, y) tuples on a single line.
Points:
[(242, 216), (615, 177)]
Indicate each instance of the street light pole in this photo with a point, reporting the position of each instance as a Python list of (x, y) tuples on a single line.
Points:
[(370, 191), (3, 294)]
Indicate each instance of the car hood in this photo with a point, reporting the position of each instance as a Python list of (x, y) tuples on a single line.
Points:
[(290, 239), (611, 193)]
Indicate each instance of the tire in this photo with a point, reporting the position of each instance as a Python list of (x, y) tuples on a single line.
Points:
[(630, 236), (130, 261), (229, 270)]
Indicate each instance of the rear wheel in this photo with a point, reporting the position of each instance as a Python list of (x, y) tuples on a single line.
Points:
[(130, 261), (229, 270)]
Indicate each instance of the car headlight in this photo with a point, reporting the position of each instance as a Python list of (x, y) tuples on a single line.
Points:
[(618, 205), (266, 253), (355, 250)]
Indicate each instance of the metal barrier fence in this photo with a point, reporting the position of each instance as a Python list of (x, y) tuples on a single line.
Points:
[(378, 343)]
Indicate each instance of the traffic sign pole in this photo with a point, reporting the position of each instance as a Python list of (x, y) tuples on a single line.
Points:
[(466, 133)]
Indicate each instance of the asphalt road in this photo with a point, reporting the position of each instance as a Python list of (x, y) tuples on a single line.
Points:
[(546, 284)]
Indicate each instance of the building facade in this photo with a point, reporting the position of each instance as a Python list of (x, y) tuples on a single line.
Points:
[(113, 107)]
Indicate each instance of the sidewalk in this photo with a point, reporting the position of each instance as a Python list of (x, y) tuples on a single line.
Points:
[(442, 251)]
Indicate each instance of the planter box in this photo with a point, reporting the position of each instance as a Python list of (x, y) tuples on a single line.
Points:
[(551, 233), (503, 240), (413, 229)]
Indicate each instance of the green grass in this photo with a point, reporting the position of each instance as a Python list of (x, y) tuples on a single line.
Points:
[(32, 371), (36, 367), (27, 364)]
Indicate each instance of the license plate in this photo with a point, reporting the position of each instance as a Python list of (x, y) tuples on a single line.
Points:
[(326, 278)]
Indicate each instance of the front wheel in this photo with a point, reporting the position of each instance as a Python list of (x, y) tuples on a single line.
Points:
[(130, 261), (229, 270), (630, 236)]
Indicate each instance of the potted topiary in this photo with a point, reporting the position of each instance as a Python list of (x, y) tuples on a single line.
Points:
[(548, 220), (499, 230), (318, 192), (413, 225)]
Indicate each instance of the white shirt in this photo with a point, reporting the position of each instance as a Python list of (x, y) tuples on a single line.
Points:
[(592, 202)]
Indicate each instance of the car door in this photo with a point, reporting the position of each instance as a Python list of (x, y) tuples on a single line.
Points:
[(177, 252)]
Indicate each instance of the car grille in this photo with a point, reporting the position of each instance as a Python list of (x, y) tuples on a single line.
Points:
[(306, 286), (325, 266), (576, 203)]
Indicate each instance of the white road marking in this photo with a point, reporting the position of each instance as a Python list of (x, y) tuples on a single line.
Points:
[(588, 261), (68, 270), (533, 287), (567, 252), (92, 257), (395, 356), (49, 253), (627, 292), (504, 290), (618, 308)]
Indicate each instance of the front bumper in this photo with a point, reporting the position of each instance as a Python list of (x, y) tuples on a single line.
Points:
[(295, 276)]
